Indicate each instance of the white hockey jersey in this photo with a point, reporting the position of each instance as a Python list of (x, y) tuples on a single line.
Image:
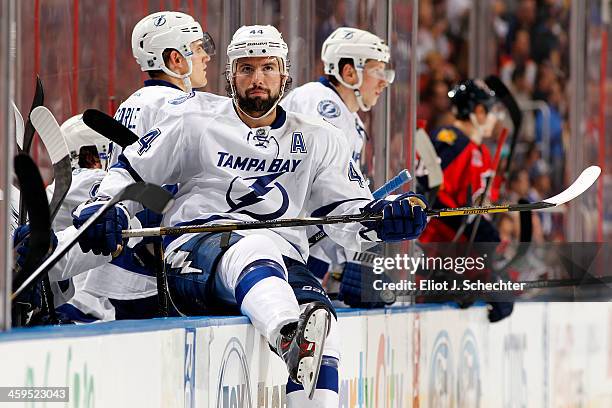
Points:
[(123, 278), (139, 112), (85, 183), (321, 99), (299, 166)]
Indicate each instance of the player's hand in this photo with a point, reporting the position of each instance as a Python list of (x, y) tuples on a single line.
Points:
[(403, 218), (499, 310), (21, 243), (356, 293), (104, 235)]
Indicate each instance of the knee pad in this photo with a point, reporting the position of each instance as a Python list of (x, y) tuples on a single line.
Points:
[(241, 255), (306, 286)]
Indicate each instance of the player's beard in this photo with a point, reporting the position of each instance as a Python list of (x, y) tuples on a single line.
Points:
[(257, 106)]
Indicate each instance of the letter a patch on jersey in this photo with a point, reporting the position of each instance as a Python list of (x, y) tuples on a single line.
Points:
[(146, 141), (297, 143), (354, 175)]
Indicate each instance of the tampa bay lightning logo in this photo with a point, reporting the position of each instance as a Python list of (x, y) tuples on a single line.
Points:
[(328, 109), (159, 21), (181, 99), (468, 372), (441, 373), (248, 196)]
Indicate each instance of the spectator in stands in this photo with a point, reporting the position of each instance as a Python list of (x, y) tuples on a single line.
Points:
[(521, 88), (435, 105), (553, 148), (520, 55)]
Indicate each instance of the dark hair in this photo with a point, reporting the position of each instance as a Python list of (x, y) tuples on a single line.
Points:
[(519, 72), (166, 56), (88, 157), (341, 64)]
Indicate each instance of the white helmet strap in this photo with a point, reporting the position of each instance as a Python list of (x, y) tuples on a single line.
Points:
[(355, 87), (184, 77)]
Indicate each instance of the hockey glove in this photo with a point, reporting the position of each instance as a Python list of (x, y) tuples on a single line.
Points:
[(104, 235), (357, 290), (403, 218), (499, 310), (21, 243)]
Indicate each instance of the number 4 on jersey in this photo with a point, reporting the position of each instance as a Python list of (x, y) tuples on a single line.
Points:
[(146, 141), (354, 175)]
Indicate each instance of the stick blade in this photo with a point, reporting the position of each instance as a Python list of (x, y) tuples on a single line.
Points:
[(35, 199), (108, 127), (585, 180), (152, 196), (19, 126), (430, 159), (39, 100), (50, 133)]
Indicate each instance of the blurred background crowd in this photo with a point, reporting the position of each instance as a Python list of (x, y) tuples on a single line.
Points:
[(81, 50), (531, 51)]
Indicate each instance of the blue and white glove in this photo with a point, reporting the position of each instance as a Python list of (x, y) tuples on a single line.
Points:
[(21, 243), (403, 218), (356, 289), (103, 236)]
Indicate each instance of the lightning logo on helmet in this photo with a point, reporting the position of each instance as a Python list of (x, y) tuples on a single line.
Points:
[(159, 21)]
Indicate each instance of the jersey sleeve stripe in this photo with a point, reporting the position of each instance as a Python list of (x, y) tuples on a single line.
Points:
[(325, 210)]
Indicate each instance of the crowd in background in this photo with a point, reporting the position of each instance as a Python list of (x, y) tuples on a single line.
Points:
[(531, 54), (528, 38)]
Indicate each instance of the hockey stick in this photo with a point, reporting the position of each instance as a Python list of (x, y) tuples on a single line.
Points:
[(19, 127), (35, 201), (516, 115), (108, 127), (580, 185), (149, 195), (488, 184), (52, 138), (113, 130), (28, 137), (49, 131), (427, 154), (390, 186), (39, 100)]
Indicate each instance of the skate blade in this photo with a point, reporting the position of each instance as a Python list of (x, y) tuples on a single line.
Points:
[(308, 368)]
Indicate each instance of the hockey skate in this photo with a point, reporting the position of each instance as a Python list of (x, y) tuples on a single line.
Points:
[(301, 347)]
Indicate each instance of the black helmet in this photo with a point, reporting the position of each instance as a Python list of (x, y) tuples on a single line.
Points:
[(466, 95)]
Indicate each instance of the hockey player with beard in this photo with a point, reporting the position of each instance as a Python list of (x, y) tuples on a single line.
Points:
[(245, 158), (356, 67)]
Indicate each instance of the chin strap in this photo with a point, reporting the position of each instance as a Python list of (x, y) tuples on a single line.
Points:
[(476, 135), (362, 106), (184, 77)]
